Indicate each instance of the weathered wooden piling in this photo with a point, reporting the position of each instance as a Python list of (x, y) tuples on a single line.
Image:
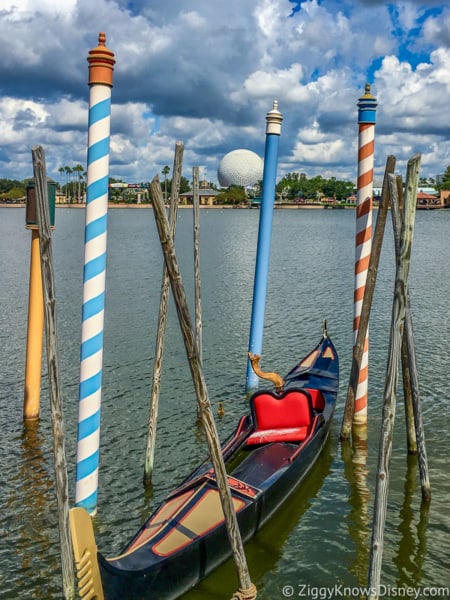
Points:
[(414, 421), (372, 271), (162, 321), (396, 185), (203, 402), (48, 287), (197, 279), (411, 438), (395, 342)]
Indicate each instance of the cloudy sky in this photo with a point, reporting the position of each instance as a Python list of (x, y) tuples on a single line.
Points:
[(206, 72)]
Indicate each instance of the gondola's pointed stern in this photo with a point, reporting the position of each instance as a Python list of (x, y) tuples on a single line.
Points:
[(85, 553)]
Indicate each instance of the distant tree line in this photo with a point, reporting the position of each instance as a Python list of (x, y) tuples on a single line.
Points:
[(445, 183), (12, 189), (235, 194), (297, 187), (128, 195)]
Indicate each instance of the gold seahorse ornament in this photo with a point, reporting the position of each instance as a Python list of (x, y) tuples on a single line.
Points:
[(276, 379)]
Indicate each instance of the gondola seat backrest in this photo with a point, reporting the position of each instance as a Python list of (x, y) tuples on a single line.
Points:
[(318, 401), (281, 419)]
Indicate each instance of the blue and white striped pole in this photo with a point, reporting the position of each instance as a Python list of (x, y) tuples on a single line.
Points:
[(101, 64), (273, 131)]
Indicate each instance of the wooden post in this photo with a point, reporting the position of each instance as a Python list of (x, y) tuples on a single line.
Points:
[(358, 348), (411, 438), (162, 321), (198, 299), (397, 208), (417, 407), (390, 390), (48, 286), (414, 421), (203, 402)]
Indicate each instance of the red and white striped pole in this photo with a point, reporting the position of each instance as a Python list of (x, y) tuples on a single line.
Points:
[(363, 243)]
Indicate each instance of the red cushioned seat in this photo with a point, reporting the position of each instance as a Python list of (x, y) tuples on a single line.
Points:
[(293, 434), (285, 419)]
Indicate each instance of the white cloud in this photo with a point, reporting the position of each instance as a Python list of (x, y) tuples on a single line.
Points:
[(208, 73), (19, 8), (416, 98)]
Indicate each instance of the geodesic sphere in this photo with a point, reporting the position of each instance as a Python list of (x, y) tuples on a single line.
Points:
[(240, 167)]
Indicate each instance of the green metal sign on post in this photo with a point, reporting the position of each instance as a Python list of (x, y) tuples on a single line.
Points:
[(31, 214)]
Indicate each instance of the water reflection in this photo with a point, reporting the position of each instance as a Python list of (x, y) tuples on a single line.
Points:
[(413, 540), (354, 456), (31, 513), (412, 545)]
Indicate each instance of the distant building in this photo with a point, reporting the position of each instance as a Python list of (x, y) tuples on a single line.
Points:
[(60, 198), (240, 167), (426, 200), (207, 195), (445, 198)]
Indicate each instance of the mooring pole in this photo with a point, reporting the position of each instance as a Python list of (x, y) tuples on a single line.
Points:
[(273, 132), (369, 289), (35, 334), (390, 390), (35, 324), (415, 430), (101, 65), (203, 402), (367, 105), (162, 322), (59, 454)]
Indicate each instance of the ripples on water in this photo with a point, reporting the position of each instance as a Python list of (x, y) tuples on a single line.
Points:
[(322, 538)]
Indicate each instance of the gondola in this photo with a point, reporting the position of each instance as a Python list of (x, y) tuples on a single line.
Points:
[(267, 456)]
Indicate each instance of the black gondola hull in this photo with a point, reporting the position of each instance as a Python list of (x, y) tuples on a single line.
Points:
[(169, 554)]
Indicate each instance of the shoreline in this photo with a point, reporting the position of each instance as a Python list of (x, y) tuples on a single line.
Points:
[(189, 206), (114, 205)]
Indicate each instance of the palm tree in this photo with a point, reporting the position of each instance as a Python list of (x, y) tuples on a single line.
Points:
[(61, 171), (165, 172), (79, 169), (68, 171)]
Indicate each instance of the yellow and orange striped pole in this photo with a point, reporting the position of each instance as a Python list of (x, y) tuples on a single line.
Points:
[(363, 243)]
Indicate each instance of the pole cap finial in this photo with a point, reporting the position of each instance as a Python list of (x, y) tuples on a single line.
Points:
[(101, 63), (274, 119), (367, 94)]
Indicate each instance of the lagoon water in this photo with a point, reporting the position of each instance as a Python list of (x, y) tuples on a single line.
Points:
[(320, 544)]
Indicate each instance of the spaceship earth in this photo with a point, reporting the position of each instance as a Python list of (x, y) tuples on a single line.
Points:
[(240, 167)]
